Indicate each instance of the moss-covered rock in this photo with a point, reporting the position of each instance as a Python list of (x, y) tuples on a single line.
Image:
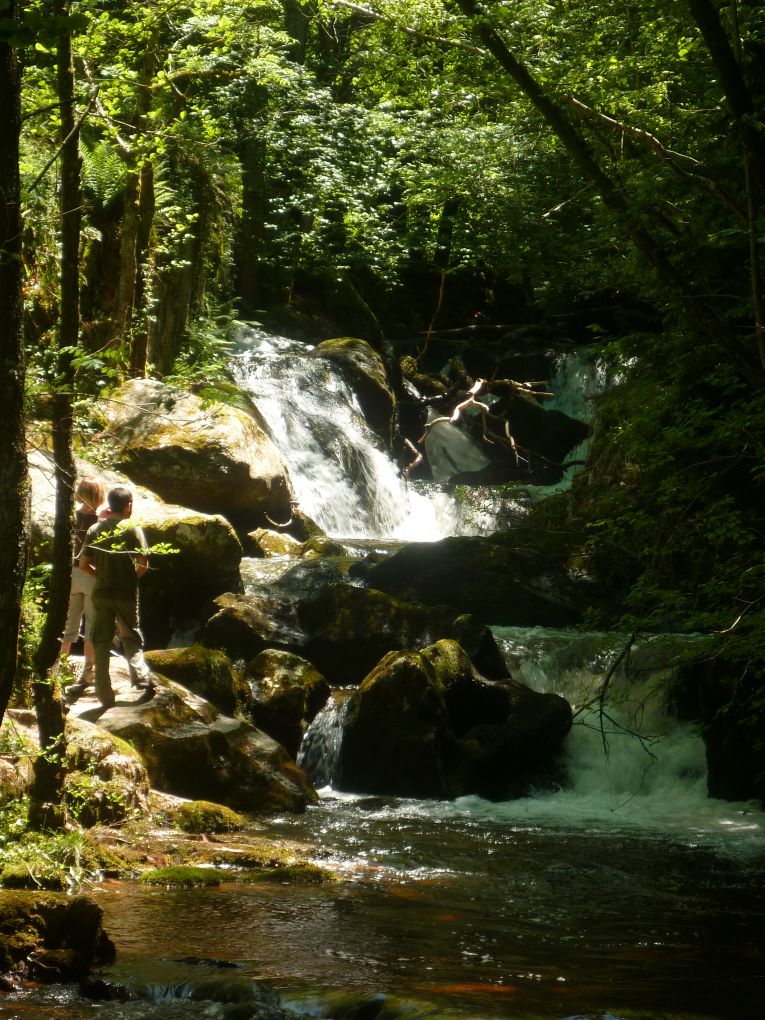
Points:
[(319, 546), (183, 877), (366, 374), (288, 694), (201, 816), (295, 874), (190, 749), (264, 543), (51, 937), (214, 458), (206, 672), (106, 779), (426, 724), (344, 630)]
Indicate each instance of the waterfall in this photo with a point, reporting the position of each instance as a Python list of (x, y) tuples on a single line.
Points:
[(630, 760), (320, 750), (342, 477)]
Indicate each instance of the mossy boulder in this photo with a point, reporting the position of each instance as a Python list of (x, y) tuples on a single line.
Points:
[(206, 672), (192, 750), (366, 374), (179, 588), (343, 630), (288, 693), (215, 458), (50, 937), (426, 724), (200, 816), (106, 779)]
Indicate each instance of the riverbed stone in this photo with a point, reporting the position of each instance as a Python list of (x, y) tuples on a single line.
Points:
[(344, 630), (212, 457), (427, 724), (288, 693), (51, 937)]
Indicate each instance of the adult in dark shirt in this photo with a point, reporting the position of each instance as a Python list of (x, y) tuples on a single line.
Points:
[(115, 554), (91, 494)]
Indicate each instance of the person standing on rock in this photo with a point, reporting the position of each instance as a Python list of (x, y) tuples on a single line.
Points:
[(116, 554), (91, 494)]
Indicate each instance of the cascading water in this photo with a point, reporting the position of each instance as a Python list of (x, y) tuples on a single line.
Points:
[(342, 477)]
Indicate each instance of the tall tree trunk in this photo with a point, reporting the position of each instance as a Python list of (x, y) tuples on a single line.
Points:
[(46, 810), (14, 482), (132, 227), (297, 20), (699, 312), (252, 159)]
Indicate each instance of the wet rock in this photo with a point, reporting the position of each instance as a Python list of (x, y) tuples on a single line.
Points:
[(190, 749), (288, 693), (206, 672), (343, 630), (51, 937), (213, 458), (367, 376), (426, 724)]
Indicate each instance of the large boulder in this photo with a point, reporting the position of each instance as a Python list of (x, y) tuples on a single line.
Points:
[(215, 458), (288, 693), (501, 582), (426, 724), (191, 750), (208, 673), (180, 586), (366, 374), (343, 630)]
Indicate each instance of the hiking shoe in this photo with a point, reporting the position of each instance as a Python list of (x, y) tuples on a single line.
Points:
[(88, 674)]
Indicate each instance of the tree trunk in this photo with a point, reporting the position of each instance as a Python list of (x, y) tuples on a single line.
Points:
[(14, 483), (297, 20), (252, 159), (46, 809), (698, 311)]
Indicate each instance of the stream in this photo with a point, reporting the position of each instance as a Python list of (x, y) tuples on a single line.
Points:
[(626, 893)]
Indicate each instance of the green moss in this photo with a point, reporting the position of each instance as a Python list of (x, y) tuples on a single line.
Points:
[(299, 874), (18, 876), (180, 877), (203, 816)]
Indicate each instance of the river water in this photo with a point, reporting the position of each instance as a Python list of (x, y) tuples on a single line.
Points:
[(625, 893)]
